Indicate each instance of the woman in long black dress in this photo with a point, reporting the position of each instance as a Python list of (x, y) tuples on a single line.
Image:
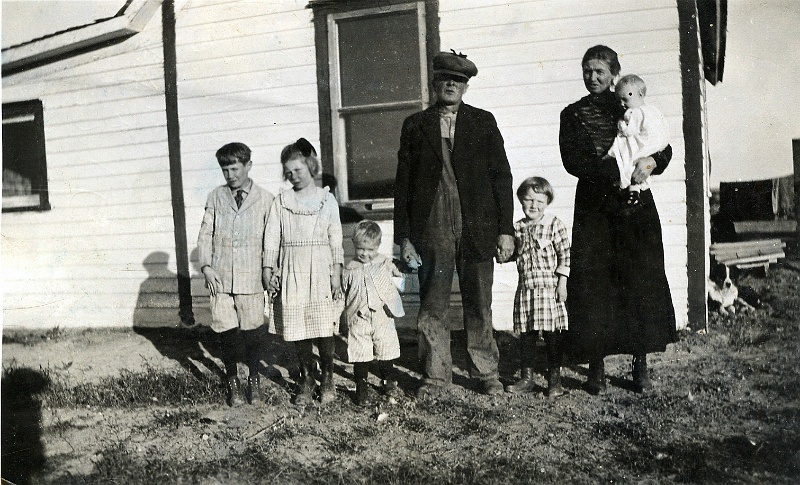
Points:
[(619, 300)]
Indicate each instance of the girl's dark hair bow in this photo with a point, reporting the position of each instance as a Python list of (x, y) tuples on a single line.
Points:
[(305, 148)]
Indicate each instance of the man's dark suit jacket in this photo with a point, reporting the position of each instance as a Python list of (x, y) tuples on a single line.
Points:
[(483, 177)]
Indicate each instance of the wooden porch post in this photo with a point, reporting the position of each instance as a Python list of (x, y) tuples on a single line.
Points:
[(175, 171)]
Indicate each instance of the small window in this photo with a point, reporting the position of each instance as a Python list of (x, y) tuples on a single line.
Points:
[(24, 167), (378, 76)]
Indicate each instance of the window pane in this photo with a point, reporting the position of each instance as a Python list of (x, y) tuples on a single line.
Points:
[(24, 182), (379, 58), (372, 143)]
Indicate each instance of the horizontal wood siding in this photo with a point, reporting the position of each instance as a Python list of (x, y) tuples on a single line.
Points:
[(247, 73), (528, 55), (106, 248), (104, 255)]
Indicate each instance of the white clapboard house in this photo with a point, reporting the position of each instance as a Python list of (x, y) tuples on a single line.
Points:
[(110, 129)]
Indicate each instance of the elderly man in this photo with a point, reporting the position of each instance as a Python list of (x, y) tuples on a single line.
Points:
[(453, 211)]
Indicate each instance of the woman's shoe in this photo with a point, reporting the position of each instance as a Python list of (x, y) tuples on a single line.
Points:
[(597, 378), (641, 379)]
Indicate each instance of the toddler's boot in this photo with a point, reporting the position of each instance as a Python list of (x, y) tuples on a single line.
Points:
[(641, 379), (361, 372), (527, 350), (388, 383)]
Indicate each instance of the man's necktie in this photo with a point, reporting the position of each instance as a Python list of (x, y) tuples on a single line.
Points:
[(239, 198)]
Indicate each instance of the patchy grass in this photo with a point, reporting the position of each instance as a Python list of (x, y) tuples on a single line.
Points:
[(724, 411)]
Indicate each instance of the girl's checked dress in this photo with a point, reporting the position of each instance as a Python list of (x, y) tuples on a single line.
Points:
[(542, 254), (303, 238)]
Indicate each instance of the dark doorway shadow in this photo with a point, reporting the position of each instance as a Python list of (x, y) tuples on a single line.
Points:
[(23, 454)]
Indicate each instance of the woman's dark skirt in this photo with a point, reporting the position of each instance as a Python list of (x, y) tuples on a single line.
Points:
[(618, 300)]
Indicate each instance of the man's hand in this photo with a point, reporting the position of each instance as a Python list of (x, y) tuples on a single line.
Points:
[(644, 167), (213, 281), (409, 254), (505, 247)]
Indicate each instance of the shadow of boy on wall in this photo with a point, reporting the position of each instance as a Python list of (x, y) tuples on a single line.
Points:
[(195, 347)]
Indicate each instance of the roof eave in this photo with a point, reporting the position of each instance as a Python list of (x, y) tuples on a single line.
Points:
[(51, 48)]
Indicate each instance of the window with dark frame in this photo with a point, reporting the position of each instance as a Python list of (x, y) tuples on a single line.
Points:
[(375, 63), (24, 157)]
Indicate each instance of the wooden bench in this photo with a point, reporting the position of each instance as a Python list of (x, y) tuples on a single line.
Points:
[(749, 254)]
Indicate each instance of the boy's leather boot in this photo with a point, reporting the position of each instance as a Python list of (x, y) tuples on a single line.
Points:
[(233, 394), (641, 379), (253, 390), (597, 377)]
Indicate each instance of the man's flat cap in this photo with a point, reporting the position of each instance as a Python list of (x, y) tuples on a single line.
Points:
[(454, 64)]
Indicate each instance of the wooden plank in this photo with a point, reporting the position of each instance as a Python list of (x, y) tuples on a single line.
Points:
[(740, 244), (753, 259), (745, 252)]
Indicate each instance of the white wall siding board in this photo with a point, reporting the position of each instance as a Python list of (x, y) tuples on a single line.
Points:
[(247, 72), (528, 56), (81, 263)]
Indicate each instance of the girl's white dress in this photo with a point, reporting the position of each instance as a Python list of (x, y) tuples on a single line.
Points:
[(303, 239)]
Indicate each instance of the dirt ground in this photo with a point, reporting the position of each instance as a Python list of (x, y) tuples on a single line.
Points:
[(145, 406)]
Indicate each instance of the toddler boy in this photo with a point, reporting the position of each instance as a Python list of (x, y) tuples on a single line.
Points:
[(371, 303)]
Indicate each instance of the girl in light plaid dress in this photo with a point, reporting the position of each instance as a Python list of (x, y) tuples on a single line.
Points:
[(303, 243), (542, 253)]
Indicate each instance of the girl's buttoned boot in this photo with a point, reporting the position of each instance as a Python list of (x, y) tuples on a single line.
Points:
[(641, 379), (527, 350), (305, 391), (327, 391), (555, 357)]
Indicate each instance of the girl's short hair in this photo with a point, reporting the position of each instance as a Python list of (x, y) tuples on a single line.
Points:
[(605, 54), (367, 230), (631, 80), (233, 153), (539, 185), (302, 149)]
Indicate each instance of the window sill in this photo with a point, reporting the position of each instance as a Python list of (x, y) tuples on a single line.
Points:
[(16, 203), (375, 211)]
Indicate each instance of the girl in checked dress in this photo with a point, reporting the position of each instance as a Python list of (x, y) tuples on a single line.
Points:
[(542, 247), (303, 242)]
